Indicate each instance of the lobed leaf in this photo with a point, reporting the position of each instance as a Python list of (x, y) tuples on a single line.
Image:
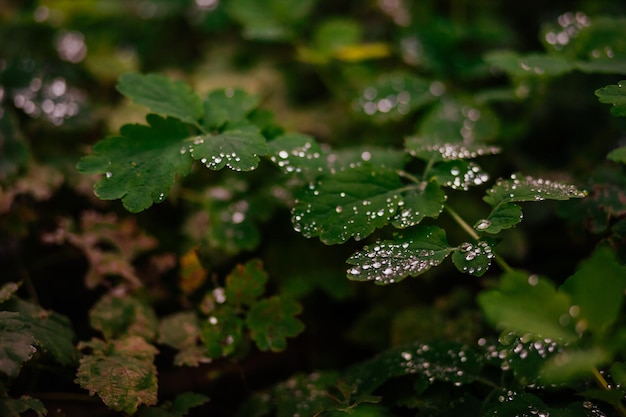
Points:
[(520, 188), (618, 155), (350, 203), (118, 316), (15, 407), (222, 332), (614, 95), (427, 201), (227, 105), (140, 166), (162, 95), (433, 148), (503, 216), (512, 403), (17, 343), (272, 320), (387, 262), (458, 174), (182, 332), (121, 372), (238, 147), (246, 283), (531, 305), (473, 258), (296, 153)]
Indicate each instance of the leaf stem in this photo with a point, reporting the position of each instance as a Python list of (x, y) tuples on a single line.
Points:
[(619, 407), (470, 231), (429, 166)]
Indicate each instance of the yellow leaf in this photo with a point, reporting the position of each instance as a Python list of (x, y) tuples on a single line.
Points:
[(192, 274)]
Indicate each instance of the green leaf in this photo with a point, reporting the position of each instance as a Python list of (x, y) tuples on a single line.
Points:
[(597, 291), (390, 261), (296, 153), (520, 188), (237, 147), (503, 216), (532, 65), (52, 331), (618, 373), (182, 332), (272, 320), (618, 155), (434, 148), (335, 33), (14, 407), (121, 372), (394, 96), (140, 166), (162, 95), (604, 65), (512, 403), (227, 105), (570, 365), (473, 258), (350, 203), (526, 356), (418, 204), (118, 316), (13, 150), (458, 174), (221, 333), (271, 20), (528, 304), (17, 343), (7, 291), (179, 408), (614, 95), (245, 283)]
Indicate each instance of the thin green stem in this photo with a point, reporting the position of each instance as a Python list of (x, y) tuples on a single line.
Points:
[(470, 231), (619, 407), (429, 166)]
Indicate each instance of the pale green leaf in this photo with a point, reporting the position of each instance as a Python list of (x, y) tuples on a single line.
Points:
[(272, 320), (618, 155), (162, 95), (142, 164), (227, 105), (614, 95), (618, 373), (413, 253), (121, 372), (427, 201), (528, 304), (473, 258), (238, 147), (119, 316), (604, 65), (350, 203), (520, 188), (17, 343), (569, 365)]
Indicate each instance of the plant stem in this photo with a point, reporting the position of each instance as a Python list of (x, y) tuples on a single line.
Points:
[(619, 407), (470, 231)]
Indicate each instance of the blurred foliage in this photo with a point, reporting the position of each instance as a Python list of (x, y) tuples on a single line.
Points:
[(209, 303)]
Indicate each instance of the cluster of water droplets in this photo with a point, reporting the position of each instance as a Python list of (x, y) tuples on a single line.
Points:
[(230, 159), (569, 25), (53, 99), (306, 391), (477, 257), (462, 177), (389, 262), (290, 159), (436, 364), (527, 188)]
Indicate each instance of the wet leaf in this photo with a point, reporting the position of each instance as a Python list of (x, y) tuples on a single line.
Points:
[(531, 65), (126, 315), (412, 253), (458, 174), (15, 407), (614, 95), (473, 258), (394, 96), (520, 188), (17, 343), (121, 372), (162, 95), (418, 204), (521, 404), (351, 203), (227, 105), (597, 292), (296, 153), (221, 332), (272, 320), (433, 148), (343, 159), (528, 304), (245, 283), (140, 166), (618, 373), (526, 356), (503, 216), (571, 364), (238, 147)]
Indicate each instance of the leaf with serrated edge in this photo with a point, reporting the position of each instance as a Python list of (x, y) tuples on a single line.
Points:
[(433, 148), (162, 95), (458, 174), (526, 188), (615, 95), (272, 320), (222, 332), (530, 305), (473, 258), (418, 204), (503, 216), (237, 147), (116, 316), (351, 203), (141, 165), (17, 343), (391, 261), (227, 105), (245, 283), (296, 153), (121, 372)]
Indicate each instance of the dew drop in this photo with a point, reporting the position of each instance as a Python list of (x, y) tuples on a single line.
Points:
[(483, 224)]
